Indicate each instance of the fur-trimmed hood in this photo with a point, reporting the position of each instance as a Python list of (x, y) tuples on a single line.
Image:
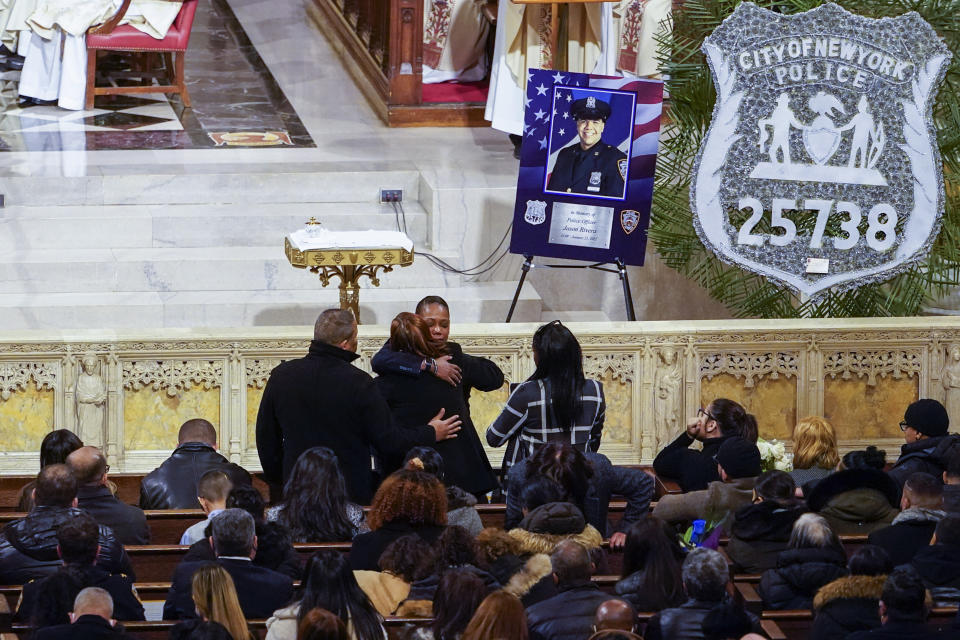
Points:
[(531, 542), (849, 480), (865, 587), (535, 569)]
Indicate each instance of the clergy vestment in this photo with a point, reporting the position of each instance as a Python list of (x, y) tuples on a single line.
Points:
[(60, 27), (523, 41), (454, 41), (638, 23)]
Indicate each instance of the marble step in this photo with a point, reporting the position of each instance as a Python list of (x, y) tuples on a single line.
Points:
[(243, 184), (190, 225), (169, 270), (471, 302)]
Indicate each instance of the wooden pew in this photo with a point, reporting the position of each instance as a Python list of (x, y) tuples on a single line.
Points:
[(166, 526), (156, 563), (150, 630), (128, 486), (796, 624)]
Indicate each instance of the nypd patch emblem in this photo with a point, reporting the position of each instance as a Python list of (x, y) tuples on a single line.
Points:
[(629, 220)]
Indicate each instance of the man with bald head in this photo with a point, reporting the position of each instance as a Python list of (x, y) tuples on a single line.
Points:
[(568, 615), (615, 614), (90, 468), (173, 485), (91, 619)]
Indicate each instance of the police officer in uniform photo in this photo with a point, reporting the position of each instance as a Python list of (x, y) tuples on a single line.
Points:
[(592, 167)]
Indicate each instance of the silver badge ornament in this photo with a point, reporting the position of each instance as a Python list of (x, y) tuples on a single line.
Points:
[(536, 212), (822, 146)]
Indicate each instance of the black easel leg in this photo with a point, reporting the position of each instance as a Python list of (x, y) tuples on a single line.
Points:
[(627, 296), (525, 268)]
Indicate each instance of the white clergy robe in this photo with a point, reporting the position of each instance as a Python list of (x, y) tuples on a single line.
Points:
[(454, 41), (60, 26)]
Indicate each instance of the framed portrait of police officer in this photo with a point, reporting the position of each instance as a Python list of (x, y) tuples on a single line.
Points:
[(590, 136), (587, 162)]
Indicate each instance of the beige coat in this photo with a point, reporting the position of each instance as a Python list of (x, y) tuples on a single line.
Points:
[(714, 504), (386, 591)]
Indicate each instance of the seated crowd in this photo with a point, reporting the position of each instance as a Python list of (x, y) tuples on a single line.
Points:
[(421, 551)]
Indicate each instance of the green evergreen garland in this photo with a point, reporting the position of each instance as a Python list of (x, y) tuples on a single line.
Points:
[(692, 96)]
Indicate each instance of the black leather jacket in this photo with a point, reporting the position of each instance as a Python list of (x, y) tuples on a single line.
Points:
[(173, 485), (686, 622), (28, 547)]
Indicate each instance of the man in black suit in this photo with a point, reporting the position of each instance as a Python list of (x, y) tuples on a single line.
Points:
[(94, 497), (591, 167), (91, 619), (261, 591), (324, 401)]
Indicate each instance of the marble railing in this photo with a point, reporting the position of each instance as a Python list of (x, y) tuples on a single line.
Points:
[(129, 392)]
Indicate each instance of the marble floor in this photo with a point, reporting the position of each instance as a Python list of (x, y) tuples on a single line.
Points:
[(236, 102), (300, 88)]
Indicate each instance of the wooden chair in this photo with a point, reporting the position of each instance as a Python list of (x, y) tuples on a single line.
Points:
[(111, 37)]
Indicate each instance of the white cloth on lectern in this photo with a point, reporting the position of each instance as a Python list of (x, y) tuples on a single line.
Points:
[(47, 76), (505, 102)]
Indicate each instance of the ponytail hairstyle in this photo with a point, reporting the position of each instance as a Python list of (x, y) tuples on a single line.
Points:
[(869, 458), (734, 419), (425, 459)]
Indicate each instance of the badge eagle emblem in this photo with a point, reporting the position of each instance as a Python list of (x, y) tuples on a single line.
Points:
[(822, 134), (629, 220), (536, 212)]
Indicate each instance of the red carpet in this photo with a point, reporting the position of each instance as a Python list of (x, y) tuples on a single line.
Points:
[(456, 92)]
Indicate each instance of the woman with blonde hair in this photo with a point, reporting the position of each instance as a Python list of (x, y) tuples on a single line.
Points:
[(501, 616), (815, 454), (215, 597)]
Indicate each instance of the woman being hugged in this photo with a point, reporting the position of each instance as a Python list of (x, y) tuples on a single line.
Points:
[(417, 400), (556, 404), (315, 506)]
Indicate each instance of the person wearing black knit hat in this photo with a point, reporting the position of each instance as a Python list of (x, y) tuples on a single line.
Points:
[(738, 463), (929, 447)]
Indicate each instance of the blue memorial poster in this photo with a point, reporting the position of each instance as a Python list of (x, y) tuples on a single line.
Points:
[(586, 166)]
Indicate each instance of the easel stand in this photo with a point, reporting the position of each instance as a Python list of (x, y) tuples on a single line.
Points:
[(621, 270)]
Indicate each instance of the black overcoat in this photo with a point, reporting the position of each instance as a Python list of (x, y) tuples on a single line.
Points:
[(323, 400), (415, 400)]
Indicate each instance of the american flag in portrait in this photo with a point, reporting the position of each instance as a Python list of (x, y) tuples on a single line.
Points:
[(549, 127), (633, 127)]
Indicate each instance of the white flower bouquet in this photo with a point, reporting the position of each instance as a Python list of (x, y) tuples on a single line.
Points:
[(773, 455)]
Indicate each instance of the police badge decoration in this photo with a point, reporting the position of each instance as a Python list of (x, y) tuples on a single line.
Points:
[(821, 146)]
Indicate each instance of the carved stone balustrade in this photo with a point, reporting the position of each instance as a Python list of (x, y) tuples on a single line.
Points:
[(860, 374)]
